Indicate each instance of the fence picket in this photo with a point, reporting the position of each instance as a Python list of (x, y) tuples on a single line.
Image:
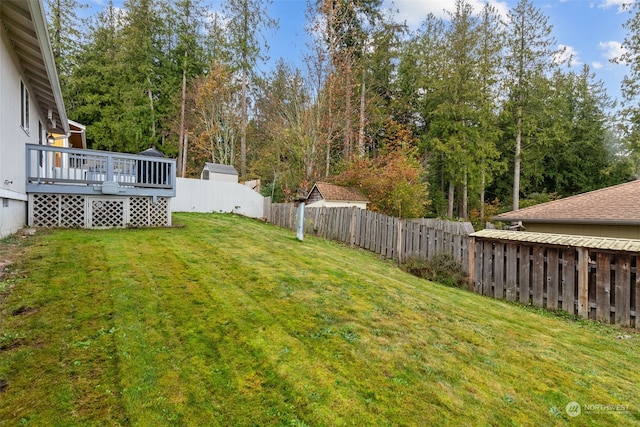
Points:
[(537, 276), (487, 271), (477, 268), (553, 272), (498, 271), (525, 280), (603, 287), (623, 290), (512, 271), (569, 280)]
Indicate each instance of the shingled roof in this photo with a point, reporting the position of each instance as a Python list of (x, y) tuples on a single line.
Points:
[(617, 205), (338, 193)]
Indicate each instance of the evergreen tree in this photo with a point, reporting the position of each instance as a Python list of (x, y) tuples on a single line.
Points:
[(95, 100), (246, 20), (66, 40), (454, 132), (142, 64), (188, 60), (489, 55), (530, 50)]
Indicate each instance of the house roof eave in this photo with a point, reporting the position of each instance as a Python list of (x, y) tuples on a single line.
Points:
[(40, 24), (583, 221), (24, 24)]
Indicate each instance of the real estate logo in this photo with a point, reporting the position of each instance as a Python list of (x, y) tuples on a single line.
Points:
[(573, 409)]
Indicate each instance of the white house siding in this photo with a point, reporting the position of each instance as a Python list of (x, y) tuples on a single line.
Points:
[(12, 141), (12, 216), (330, 204), (197, 195)]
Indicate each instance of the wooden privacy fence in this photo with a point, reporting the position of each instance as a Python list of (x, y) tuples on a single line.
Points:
[(393, 238), (594, 278)]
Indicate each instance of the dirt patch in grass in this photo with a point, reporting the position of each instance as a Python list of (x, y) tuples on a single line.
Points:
[(12, 248), (22, 311)]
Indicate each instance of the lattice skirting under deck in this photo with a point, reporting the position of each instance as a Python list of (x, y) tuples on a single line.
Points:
[(81, 211)]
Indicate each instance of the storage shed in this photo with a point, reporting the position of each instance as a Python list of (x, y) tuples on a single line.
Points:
[(218, 172), (335, 196)]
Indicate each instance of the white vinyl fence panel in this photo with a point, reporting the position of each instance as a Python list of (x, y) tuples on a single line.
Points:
[(197, 195)]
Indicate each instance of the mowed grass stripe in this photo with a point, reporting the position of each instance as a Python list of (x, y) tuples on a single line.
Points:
[(229, 321)]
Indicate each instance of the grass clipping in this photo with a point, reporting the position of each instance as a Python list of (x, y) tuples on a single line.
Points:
[(440, 269)]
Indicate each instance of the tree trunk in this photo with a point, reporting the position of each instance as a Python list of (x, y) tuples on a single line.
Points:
[(185, 145), (465, 194), (243, 126), (348, 132), (183, 102), (153, 115), (452, 193), (482, 189), (361, 148), (516, 165)]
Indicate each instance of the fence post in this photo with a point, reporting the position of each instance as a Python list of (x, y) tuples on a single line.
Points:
[(352, 227), (266, 209), (471, 258), (399, 245), (583, 283)]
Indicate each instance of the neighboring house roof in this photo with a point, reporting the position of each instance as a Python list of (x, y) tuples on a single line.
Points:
[(25, 25), (218, 168), (338, 193), (617, 205)]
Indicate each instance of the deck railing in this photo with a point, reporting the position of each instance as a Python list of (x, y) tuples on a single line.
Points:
[(53, 169)]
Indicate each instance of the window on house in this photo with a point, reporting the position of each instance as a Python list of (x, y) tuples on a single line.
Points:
[(24, 107)]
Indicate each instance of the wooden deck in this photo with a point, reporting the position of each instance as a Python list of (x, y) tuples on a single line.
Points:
[(57, 170)]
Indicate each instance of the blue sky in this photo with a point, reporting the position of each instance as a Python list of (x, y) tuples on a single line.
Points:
[(591, 30)]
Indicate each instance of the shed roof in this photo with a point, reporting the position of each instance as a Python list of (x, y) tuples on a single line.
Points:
[(223, 169), (595, 242), (616, 205), (338, 193), (152, 152), (26, 27)]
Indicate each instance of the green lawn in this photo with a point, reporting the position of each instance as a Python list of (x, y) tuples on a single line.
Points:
[(229, 321)]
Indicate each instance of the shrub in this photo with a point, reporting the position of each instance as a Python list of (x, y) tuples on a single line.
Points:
[(441, 269), (393, 182)]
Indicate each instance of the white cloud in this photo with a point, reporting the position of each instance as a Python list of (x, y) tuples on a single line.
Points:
[(620, 4), (596, 65), (611, 49), (414, 12), (567, 55)]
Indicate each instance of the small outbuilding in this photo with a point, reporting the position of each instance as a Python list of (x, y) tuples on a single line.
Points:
[(218, 172), (335, 196)]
